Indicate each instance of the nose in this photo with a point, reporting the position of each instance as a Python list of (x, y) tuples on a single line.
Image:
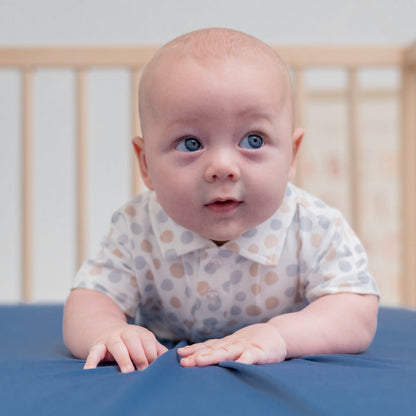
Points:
[(222, 166)]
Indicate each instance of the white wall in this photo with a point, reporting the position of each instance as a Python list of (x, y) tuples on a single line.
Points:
[(117, 22)]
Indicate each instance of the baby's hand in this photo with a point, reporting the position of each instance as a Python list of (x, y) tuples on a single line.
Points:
[(126, 344), (254, 344)]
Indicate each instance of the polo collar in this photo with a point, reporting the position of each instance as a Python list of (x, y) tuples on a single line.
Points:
[(262, 244)]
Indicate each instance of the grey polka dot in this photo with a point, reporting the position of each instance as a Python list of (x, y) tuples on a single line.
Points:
[(123, 239), (81, 284), (347, 251), (250, 233), (240, 296), (359, 249), (149, 288), (167, 285), (172, 317), (115, 217), (211, 267), (226, 286), (240, 259), (139, 262), (189, 271), (121, 297), (138, 199), (135, 228), (363, 277), (288, 191), (214, 304), (292, 270), (162, 216), (171, 254), (235, 310), (225, 253), (108, 263), (319, 203), (344, 266), (303, 266), (100, 288), (290, 292), (187, 237), (324, 222), (361, 263), (210, 323), (305, 224), (114, 276), (236, 276), (188, 292), (276, 224)]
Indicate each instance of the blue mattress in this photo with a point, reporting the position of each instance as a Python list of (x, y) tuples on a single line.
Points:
[(38, 376)]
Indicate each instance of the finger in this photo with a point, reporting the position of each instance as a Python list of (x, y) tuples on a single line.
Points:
[(121, 355), (193, 348), (160, 348), (95, 356), (214, 354)]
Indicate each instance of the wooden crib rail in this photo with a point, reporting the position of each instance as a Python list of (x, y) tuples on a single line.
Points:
[(299, 58)]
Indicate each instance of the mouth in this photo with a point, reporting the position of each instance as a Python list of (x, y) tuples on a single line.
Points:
[(223, 205)]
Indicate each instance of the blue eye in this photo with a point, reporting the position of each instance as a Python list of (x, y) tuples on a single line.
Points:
[(252, 141), (190, 144)]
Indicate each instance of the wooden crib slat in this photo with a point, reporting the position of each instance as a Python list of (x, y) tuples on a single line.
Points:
[(300, 105), (27, 184), (354, 149), (135, 129), (81, 171), (408, 276)]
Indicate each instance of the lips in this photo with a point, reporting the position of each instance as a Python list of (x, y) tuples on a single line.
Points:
[(223, 205)]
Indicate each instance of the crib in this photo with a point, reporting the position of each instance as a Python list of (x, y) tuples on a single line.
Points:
[(359, 154), (370, 123)]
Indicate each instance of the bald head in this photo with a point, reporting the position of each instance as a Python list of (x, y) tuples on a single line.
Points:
[(206, 46)]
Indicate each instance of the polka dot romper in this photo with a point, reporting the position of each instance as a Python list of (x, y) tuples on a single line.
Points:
[(182, 286)]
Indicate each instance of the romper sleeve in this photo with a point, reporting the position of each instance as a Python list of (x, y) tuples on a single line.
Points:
[(112, 270), (340, 264)]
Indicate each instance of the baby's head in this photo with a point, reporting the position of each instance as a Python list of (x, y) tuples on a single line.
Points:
[(218, 144)]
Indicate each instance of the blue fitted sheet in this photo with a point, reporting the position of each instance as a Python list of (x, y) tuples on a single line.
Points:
[(38, 376)]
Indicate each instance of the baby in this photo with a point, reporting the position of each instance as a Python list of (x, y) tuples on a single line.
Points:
[(222, 251)]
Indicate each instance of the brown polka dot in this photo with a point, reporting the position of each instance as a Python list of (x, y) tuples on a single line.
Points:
[(188, 324), (96, 270), (232, 322), (253, 310), (272, 259), (316, 240), (254, 248), (338, 222), (329, 276), (166, 236), (130, 210), (146, 246), (345, 287), (175, 302), (272, 302), (118, 253), (137, 297), (149, 275), (255, 289), (285, 208), (254, 269), (133, 281), (203, 288), (157, 263), (330, 254), (271, 278), (176, 270), (270, 241), (233, 246)]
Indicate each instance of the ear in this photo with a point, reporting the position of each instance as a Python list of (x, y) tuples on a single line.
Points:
[(138, 144), (296, 141)]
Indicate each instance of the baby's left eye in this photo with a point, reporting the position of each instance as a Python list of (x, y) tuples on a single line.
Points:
[(252, 141)]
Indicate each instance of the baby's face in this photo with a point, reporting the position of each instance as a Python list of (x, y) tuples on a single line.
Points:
[(218, 143)]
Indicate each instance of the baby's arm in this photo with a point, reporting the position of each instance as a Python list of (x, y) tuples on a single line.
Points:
[(333, 324), (96, 329)]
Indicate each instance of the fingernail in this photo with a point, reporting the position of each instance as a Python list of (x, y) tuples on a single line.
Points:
[(127, 369), (142, 367)]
